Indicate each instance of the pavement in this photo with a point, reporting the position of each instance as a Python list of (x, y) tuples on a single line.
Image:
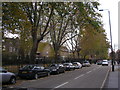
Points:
[(113, 80)]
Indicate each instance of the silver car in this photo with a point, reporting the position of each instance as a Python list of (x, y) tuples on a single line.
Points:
[(69, 66), (7, 77), (77, 65), (86, 63)]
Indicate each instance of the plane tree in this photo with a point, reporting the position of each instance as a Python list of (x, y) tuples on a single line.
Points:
[(36, 15), (34, 20), (15, 21), (85, 16), (93, 43), (60, 26)]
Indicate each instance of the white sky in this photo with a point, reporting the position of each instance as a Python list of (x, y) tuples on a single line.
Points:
[(112, 5)]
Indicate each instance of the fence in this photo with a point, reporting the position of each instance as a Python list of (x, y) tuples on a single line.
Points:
[(14, 63)]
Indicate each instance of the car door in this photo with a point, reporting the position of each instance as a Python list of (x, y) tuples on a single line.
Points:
[(61, 68), (41, 71), (37, 71)]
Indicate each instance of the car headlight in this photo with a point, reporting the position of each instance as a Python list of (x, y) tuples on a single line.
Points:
[(30, 71), (54, 70)]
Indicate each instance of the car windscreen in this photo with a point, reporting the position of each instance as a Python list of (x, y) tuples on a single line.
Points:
[(105, 61), (66, 64), (53, 65), (28, 67), (75, 64), (86, 61)]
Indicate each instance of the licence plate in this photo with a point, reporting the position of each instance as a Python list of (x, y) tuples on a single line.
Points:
[(24, 72)]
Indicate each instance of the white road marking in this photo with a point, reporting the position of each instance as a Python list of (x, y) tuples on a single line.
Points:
[(96, 68), (79, 76), (61, 85), (105, 79), (89, 72)]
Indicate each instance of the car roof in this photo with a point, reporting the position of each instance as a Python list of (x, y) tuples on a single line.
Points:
[(105, 60), (66, 63), (76, 62), (33, 65)]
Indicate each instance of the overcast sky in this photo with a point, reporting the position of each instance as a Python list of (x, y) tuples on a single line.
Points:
[(112, 5)]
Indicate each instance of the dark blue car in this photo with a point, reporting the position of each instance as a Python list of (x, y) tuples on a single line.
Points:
[(33, 72), (56, 68)]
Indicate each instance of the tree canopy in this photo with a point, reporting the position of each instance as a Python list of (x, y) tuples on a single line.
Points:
[(61, 21)]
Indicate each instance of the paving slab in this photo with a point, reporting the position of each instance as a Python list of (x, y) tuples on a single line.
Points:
[(113, 80)]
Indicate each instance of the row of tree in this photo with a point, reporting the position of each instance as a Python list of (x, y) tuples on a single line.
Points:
[(75, 24)]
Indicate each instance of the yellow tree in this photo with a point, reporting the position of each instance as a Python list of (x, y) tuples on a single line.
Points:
[(94, 43)]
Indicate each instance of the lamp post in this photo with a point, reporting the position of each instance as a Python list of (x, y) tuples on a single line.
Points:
[(112, 52)]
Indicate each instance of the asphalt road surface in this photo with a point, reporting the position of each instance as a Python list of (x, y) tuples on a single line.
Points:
[(87, 77)]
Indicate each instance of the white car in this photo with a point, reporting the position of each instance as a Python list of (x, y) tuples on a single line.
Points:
[(77, 65), (105, 63)]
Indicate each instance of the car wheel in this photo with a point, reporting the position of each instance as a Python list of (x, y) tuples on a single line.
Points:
[(48, 74), (36, 76), (58, 72), (12, 80)]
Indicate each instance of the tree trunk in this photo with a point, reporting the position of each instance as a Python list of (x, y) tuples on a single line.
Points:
[(33, 51), (73, 54), (84, 57), (56, 56), (78, 54)]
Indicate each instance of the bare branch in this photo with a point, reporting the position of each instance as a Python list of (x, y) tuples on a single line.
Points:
[(52, 9), (39, 16), (63, 32), (67, 39), (59, 34), (29, 12), (35, 14)]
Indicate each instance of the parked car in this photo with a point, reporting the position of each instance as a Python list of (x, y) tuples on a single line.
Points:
[(69, 66), (86, 63), (57, 68), (7, 77), (99, 62), (105, 63), (77, 65), (33, 72)]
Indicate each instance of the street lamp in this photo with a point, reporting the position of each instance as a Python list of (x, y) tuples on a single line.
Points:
[(112, 52)]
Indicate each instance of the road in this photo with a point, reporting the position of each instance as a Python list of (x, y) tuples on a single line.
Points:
[(87, 77)]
